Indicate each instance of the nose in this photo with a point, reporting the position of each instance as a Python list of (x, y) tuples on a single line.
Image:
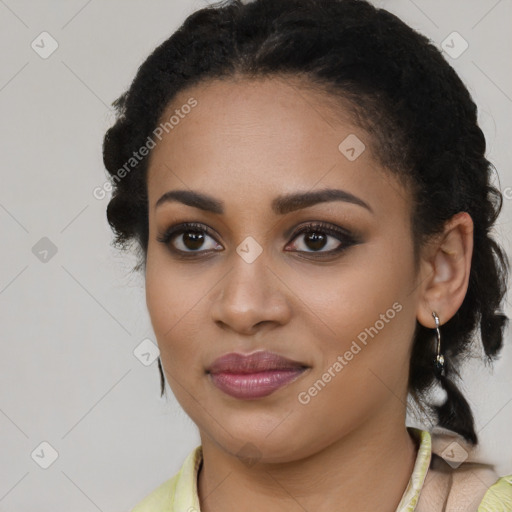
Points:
[(250, 297)]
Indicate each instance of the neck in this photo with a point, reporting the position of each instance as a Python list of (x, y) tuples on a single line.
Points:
[(377, 456)]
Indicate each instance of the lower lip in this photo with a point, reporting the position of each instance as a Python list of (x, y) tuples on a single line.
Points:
[(248, 386)]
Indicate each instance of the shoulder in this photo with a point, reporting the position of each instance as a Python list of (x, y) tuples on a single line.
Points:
[(476, 487), (498, 497), (463, 481), (178, 492)]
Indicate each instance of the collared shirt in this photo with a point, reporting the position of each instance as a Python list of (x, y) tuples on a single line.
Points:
[(445, 478)]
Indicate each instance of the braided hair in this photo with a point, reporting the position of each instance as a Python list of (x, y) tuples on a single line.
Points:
[(398, 87)]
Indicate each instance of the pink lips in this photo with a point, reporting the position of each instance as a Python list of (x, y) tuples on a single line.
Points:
[(253, 376)]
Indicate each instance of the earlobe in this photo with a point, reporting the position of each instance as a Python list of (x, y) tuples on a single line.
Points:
[(450, 265)]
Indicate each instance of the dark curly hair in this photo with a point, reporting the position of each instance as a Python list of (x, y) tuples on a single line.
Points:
[(397, 86)]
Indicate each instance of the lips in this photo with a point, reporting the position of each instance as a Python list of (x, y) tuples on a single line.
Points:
[(254, 375)]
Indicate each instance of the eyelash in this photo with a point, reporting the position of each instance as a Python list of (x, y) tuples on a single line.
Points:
[(342, 235)]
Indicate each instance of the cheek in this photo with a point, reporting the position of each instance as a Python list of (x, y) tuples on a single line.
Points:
[(161, 302), (368, 309), (352, 295), (365, 370), (165, 300), (167, 291), (174, 301)]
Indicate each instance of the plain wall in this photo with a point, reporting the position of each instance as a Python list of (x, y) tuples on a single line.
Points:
[(68, 374)]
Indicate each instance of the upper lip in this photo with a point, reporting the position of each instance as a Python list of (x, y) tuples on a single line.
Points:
[(252, 363)]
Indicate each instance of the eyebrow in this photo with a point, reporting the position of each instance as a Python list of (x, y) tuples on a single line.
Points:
[(280, 205)]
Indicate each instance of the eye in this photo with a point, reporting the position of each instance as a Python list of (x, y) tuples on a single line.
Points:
[(323, 238), (188, 238)]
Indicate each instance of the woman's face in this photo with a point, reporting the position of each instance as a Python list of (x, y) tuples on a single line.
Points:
[(338, 303)]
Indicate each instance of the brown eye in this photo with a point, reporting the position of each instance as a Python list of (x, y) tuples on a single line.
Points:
[(315, 241), (193, 240), (189, 238), (317, 237)]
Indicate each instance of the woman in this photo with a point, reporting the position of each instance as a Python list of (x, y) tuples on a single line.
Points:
[(307, 187)]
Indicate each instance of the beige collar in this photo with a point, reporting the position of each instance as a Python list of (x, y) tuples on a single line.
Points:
[(455, 480)]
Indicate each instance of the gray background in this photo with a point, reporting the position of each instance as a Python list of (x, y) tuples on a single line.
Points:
[(70, 324)]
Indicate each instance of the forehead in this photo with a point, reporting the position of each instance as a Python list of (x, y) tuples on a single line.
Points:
[(262, 136)]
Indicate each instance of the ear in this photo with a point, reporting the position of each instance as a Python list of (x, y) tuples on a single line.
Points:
[(445, 271)]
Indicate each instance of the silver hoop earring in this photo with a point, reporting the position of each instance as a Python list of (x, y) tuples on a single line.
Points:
[(439, 365)]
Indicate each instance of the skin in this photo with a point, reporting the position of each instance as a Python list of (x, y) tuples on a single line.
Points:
[(246, 142)]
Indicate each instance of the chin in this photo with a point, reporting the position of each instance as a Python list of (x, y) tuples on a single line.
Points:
[(258, 443)]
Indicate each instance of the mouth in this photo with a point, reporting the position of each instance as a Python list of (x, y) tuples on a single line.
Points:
[(253, 376)]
